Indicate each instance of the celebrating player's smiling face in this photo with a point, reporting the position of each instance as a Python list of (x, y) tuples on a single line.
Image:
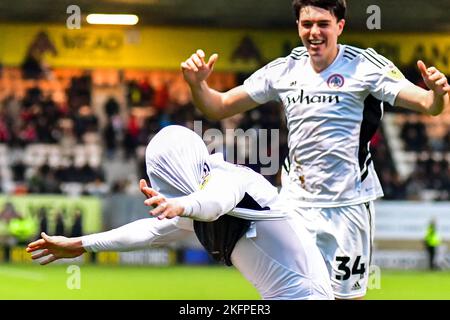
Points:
[(319, 29)]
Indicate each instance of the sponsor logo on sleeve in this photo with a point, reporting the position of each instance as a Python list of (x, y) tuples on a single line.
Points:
[(394, 73)]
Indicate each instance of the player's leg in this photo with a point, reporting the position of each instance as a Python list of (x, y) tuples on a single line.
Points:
[(282, 261), (432, 251), (345, 236)]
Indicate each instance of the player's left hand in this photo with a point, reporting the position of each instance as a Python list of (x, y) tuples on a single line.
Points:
[(434, 79), (164, 208)]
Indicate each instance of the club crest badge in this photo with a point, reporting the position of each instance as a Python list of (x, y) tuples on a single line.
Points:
[(335, 81)]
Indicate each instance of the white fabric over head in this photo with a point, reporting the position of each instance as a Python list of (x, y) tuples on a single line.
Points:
[(177, 161)]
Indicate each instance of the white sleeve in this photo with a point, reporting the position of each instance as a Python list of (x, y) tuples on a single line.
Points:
[(384, 78), (259, 84), (139, 234), (220, 195)]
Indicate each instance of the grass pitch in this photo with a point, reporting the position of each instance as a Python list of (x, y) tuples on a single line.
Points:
[(123, 282), (183, 283)]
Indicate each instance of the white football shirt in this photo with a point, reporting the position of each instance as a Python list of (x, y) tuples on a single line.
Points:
[(234, 190), (331, 117)]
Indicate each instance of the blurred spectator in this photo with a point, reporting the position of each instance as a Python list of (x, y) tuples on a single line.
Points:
[(79, 92), (97, 188), (23, 229), (414, 134), (85, 121), (134, 96), (446, 140), (77, 226), (18, 169), (432, 241), (147, 92), (122, 186), (393, 187), (31, 67), (110, 139), (59, 224), (28, 134), (9, 212), (5, 135), (161, 97), (43, 222), (44, 180), (414, 188), (131, 137), (111, 107), (51, 184), (20, 228)]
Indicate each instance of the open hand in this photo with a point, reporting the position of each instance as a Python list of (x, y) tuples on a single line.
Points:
[(55, 247), (163, 207)]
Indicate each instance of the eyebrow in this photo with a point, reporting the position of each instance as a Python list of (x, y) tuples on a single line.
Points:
[(312, 20)]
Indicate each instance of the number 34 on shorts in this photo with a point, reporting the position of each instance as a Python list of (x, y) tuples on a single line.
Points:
[(347, 268)]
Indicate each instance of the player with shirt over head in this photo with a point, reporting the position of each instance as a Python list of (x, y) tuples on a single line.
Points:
[(236, 214), (331, 97)]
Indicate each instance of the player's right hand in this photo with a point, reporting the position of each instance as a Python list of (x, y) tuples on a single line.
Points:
[(195, 69), (54, 248), (161, 206)]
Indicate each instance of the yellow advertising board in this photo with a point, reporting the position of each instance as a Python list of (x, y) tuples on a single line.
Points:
[(164, 48), (405, 49), (31, 205)]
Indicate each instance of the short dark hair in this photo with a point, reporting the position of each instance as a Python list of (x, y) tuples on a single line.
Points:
[(336, 7)]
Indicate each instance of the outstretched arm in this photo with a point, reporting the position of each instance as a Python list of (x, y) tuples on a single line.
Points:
[(136, 235), (432, 101), (213, 104)]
